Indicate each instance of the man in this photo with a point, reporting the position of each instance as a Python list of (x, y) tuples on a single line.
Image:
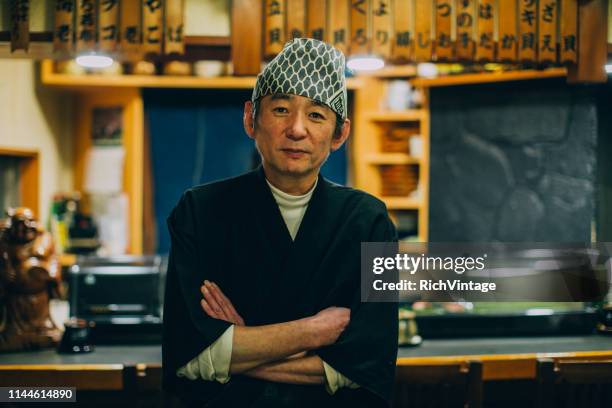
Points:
[(262, 305)]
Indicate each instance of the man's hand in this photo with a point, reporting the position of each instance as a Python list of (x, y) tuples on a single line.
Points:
[(328, 324), (217, 305)]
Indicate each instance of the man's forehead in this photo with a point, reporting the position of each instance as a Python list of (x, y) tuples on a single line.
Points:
[(289, 97)]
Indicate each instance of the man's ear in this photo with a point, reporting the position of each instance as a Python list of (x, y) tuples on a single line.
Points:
[(338, 140), (247, 119)]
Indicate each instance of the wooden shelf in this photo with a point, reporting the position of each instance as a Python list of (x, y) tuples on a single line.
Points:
[(50, 78), (402, 203), (412, 115), (391, 158), (399, 71), (478, 78)]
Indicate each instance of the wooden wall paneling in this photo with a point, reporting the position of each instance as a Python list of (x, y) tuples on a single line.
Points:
[(63, 26), (316, 19), (360, 27), (423, 30), (108, 26), (528, 31), (338, 32), (592, 42), (485, 38), (152, 27), (568, 43), (382, 29), (174, 32), (443, 47), (133, 142), (274, 31), (403, 25), (246, 39), (86, 25), (507, 31), (296, 19), (465, 25)]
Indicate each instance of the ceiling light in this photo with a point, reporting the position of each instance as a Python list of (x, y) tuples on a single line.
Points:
[(369, 63), (94, 61)]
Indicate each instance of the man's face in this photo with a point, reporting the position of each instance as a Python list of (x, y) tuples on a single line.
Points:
[(294, 134)]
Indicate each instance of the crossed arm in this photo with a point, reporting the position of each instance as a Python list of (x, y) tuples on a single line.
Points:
[(277, 352)]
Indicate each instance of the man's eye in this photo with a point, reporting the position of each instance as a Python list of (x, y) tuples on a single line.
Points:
[(317, 115), (280, 109)]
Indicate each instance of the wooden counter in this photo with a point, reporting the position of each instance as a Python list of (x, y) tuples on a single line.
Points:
[(503, 359)]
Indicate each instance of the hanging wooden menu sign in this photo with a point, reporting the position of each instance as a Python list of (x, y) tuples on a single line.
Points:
[(20, 25), (423, 48), (568, 44), (528, 21), (443, 46), (382, 32), (466, 20), (296, 18), (507, 31), (247, 39), (63, 28), (131, 28), (547, 31), (315, 19), (152, 26), (403, 40), (173, 43), (274, 32), (338, 31), (86, 25), (360, 35), (485, 46), (108, 25)]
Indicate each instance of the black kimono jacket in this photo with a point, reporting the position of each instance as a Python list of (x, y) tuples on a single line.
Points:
[(232, 232)]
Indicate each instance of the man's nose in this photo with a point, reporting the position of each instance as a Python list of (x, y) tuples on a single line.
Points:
[(297, 127)]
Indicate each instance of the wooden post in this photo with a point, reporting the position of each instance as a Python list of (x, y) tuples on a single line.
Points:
[(382, 29), (443, 46), (63, 28), (108, 27), (296, 18), (338, 32), (152, 27), (423, 30), (592, 42), (360, 27), (274, 31), (403, 24), (174, 41), (247, 38)]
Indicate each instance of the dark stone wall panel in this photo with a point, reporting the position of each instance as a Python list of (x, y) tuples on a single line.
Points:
[(513, 162)]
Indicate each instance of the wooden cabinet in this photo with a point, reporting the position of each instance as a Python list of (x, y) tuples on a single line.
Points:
[(391, 153)]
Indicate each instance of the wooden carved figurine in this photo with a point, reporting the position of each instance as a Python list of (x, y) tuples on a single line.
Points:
[(29, 275)]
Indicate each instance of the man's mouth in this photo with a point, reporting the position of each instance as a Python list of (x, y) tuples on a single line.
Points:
[(294, 153)]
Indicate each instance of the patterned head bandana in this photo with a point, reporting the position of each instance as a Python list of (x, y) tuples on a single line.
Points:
[(309, 68)]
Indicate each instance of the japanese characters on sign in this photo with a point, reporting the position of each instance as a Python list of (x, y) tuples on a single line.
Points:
[(466, 18), (174, 27), (402, 50), (485, 41), (274, 29), (296, 18), (86, 25), (507, 39), (315, 20), (63, 28), (338, 31), (360, 30), (528, 40), (382, 32), (108, 27), (152, 26), (568, 43), (20, 25), (444, 44), (423, 30)]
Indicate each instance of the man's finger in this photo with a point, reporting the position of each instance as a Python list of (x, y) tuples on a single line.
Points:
[(207, 309), (216, 290), (227, 304), (213, 303)]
